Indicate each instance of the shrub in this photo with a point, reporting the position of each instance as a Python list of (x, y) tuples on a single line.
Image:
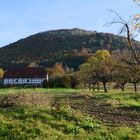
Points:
[(55, 81), (25, 99), (66, 81), (58, 81)]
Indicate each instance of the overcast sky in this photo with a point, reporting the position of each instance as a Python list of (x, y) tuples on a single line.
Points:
[(21, 18)]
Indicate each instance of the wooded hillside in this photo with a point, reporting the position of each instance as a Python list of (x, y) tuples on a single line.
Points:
[(70, 46)]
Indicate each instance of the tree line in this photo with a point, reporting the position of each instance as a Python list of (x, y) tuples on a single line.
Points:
[(105, 67)]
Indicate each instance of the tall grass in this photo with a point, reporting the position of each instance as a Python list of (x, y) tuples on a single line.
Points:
[(28, 115), (23, 123)]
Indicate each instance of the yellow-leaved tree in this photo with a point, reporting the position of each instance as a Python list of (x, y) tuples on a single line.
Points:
[(102, 55), (97, 69), (1, 73), (58, 69)]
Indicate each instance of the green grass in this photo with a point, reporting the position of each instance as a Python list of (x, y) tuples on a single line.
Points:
[(23, 123), (40, 90), (125, 98), (46, 122)]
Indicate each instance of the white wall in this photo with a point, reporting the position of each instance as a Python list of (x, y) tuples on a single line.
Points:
[(20, 81)]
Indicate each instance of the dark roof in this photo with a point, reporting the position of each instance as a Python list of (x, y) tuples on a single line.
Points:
[(33, 72)]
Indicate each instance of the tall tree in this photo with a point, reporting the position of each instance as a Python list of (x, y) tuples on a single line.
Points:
[(87, 76), (102, 67), (129, 27)]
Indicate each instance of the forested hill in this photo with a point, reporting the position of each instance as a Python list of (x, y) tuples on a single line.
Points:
[(70, 46)]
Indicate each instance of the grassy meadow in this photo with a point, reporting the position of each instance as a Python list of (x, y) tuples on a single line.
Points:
[(73, 114)]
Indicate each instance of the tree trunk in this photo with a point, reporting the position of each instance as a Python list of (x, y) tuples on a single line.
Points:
[(93, 88), (84, 85), (89, 87), (105, 88), (135, 87), (122, 87), (98, 86)]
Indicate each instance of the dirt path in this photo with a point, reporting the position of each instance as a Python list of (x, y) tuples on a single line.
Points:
[(101, 110)]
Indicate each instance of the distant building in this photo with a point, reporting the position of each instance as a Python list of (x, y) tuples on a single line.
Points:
[(25, 76)]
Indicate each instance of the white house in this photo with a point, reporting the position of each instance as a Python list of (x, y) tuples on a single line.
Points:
[(25, 76)]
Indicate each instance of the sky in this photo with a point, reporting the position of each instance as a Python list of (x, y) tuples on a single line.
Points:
[(21, 18)]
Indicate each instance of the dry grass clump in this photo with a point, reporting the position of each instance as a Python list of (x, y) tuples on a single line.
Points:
[(113, 102), (25, 99), (81, 95)]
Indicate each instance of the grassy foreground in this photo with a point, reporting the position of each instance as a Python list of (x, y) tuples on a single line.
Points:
[(79, 115)]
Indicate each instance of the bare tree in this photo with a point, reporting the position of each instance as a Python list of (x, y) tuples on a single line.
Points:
[(126, 27)]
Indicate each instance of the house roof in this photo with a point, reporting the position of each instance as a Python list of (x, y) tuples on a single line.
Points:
[(33, 72)]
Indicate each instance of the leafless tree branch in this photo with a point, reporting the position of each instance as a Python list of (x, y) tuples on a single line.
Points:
[(126, 28)]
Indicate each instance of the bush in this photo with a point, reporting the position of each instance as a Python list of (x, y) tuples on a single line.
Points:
[(66, 81), (55, 81), (58, 81), (45, 84)]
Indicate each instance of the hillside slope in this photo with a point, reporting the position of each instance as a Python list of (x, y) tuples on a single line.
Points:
[(70, 46)]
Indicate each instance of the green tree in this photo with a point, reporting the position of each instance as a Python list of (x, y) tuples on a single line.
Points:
[(86, 75), (98, 68), (56, 76), (121, 75), (102, 67), (66, 81), (124, 72)]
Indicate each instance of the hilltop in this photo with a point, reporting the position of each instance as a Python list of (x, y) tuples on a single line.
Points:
[(70, 46)]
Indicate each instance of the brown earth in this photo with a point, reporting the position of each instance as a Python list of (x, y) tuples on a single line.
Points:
[(85, 103), (101, 109)]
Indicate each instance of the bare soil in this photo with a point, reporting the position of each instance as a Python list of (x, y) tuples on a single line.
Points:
[(101, 109)]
